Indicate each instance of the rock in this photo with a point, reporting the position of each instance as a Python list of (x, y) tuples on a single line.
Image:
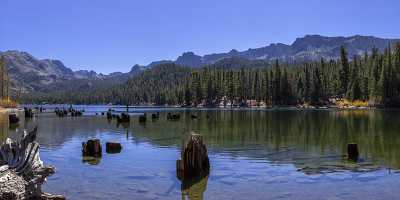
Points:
[(194, 159), (13, 118), (113, 147), (352, 151), (91, 148)]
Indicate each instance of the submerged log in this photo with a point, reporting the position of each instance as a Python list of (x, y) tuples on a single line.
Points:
[(21, 171), (352, 151), (194, 161), (113, 147), (91, 148), (13, 118)]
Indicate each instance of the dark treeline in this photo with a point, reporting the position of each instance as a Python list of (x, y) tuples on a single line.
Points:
[(373, 77)]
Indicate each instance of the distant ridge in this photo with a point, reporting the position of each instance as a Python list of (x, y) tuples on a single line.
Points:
[(307, 48), (32, 74)]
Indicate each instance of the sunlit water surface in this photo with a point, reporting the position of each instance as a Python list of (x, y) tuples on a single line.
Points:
[(254, 154)]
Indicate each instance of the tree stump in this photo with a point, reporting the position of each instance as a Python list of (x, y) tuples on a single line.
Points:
[(155, 115), (352, 151), (142, 118), (173, 117), (113, 147), (109, 115), (124, 118), (13, 118), (91, 148), (21, 171), (194, 159), (28, 112)]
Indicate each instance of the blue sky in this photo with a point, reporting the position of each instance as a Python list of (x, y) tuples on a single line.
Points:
[(113, 35)]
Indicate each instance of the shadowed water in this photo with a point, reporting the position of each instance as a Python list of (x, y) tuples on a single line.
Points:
[(254, 154)]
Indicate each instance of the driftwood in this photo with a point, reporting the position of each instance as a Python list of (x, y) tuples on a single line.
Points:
[(21, 171), (91, 148), (194, 162), (113, 147)]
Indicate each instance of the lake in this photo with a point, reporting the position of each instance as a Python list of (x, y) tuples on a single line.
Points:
[(254, 154)]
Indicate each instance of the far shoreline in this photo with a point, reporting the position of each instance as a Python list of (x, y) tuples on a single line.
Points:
[(179, 107)]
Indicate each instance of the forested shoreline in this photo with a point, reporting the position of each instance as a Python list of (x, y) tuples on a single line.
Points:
[(373, 78)]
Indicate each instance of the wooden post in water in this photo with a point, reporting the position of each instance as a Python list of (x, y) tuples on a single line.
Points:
[(352, 151)]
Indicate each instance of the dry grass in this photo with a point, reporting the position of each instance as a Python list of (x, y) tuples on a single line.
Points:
[(347, 103), (8, 103)]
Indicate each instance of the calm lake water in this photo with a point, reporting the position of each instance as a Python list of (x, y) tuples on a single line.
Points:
[(254, 154)]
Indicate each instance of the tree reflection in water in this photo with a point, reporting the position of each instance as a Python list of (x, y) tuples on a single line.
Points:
[(194, 189)]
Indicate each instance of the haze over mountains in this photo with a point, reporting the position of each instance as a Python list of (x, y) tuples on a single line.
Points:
[(32, 74)]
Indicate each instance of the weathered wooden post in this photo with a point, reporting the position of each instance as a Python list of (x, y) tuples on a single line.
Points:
[(352, 151), (113, 147), (91, 148), (194, 160)]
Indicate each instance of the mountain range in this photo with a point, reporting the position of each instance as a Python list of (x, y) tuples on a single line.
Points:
[(32, 74)]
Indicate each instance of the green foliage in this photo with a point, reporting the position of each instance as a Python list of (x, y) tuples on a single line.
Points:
[(375, 77)]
